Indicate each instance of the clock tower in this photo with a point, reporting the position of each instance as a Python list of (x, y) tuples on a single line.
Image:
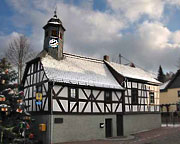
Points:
[(54, 37)]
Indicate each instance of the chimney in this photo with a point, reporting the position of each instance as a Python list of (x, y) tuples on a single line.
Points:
[(132, 65), (106, 58)]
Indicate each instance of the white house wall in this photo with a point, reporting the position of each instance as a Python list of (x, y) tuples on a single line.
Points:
[(35, 77), (88, 101), (144, 104)]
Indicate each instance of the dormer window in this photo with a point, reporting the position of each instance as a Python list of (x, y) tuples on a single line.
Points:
[(54, 33)]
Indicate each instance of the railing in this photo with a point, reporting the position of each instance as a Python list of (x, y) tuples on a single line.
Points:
[(170, 118)]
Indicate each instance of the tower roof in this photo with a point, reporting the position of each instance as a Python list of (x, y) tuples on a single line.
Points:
[(54, 21)]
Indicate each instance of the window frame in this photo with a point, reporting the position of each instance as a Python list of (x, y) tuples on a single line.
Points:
[(54, 33), (152, 101), (178, 92), (75, 93), (61, 35), (134, 98), (37, 89)]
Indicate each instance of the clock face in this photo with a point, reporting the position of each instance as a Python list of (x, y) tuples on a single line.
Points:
[(53, 43)]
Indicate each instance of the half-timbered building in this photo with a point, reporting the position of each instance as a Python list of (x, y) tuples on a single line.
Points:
[(81, 98), (141, 98)]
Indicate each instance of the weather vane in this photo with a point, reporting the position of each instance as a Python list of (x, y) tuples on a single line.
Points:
[(55, 12)]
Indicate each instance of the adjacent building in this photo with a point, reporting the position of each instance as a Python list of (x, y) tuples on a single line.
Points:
[(170, 94), (80, 98)]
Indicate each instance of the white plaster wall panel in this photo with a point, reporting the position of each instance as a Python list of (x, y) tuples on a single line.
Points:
[(119, 94), (46, 85), (134, 108), (101, 105), (127, 108), (158, 108), (129, 84), (46, 106), (142, 100), (126, 100), (88, 107), (146, 109), (152, 108), (157, 101), (28, 80), (129, 92), (72, 105), (142, 108), (109, 106), (64, 92), (32, 68), (56, 106), (101, 96), (140, 86), (114, 106), (82, 95), (88, 92), (81, 106), (95, 109), (29, 71), (134, 85), (41, 75), (26, 83), (114, 97), (125, 92), (119, 108), (30, 92), (33, 81), (64, 104), (56, 88), (26, 92), (139, 93), (129, 100)]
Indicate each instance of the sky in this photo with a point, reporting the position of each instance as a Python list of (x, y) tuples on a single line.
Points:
[(146, 32)]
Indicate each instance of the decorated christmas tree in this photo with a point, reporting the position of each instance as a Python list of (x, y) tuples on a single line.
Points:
[(15, 122)]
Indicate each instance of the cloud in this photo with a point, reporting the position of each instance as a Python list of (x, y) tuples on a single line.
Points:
[(134, 9), (5, 40), (94, 33), (155, 34)]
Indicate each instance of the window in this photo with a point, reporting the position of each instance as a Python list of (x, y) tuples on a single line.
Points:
[(151, 96), (73, 92), (134, 96), (54, 33), (108, 96), (178, 93), (178, 107), (39, 89)]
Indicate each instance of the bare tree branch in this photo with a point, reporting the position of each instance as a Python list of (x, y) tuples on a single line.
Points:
[(18, 53)]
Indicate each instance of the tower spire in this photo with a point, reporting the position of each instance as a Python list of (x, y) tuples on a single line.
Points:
[(55, 12)]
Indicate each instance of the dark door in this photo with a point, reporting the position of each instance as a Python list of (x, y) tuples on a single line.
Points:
[(119, 125), (108, 123)]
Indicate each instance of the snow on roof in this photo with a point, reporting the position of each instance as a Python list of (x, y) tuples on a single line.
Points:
[(163, 86), (133, 72), (79, 70)]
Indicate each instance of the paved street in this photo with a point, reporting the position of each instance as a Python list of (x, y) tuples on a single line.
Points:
[(164, 135)]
